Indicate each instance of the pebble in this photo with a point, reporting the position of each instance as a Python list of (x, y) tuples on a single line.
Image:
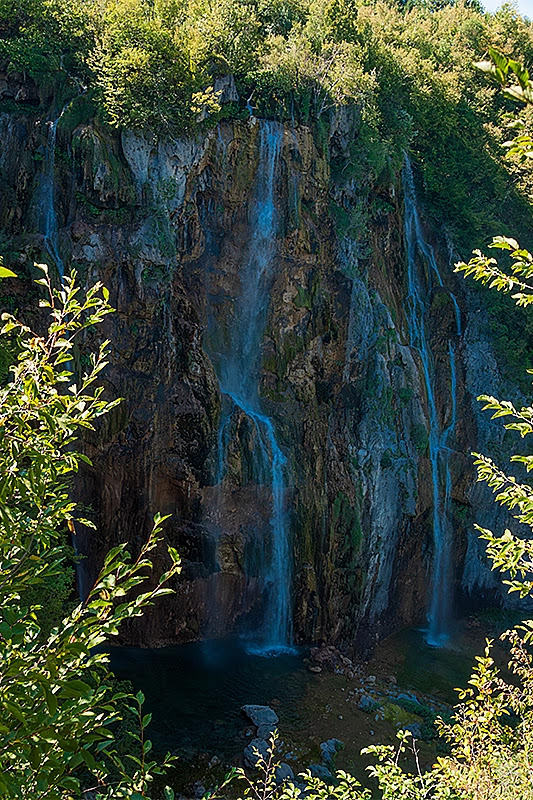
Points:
[(316, 669)]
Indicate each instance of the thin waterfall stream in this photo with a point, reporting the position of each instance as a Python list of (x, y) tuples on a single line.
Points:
[(418, 304), (50, 230), (238, 370)]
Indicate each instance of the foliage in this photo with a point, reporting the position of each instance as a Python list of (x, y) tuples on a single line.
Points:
[(404, 70), (56, 698)]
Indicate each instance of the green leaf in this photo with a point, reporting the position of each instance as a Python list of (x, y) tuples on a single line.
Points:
[(6, 273)]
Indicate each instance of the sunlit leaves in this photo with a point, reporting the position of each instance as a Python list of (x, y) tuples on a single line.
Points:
[(56, 702)]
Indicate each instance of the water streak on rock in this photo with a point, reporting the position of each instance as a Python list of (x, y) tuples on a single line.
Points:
[(238, 370), (418, 304)]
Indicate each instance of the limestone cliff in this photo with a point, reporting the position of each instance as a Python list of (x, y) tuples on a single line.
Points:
[(165, 224)]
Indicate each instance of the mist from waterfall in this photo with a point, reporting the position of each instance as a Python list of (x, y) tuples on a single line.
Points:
[(418, 304), (238, 371)]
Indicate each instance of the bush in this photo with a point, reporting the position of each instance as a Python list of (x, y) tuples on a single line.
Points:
[(57, 700)]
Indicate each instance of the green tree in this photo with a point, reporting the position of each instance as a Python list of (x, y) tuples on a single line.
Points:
[(57, 702)]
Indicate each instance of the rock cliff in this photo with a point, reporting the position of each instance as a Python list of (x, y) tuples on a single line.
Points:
[(166, 224)]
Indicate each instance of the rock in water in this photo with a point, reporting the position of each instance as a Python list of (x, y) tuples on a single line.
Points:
[(257, 749), (264, 718)]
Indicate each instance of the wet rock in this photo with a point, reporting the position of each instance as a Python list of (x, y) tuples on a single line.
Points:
[(215, 762), (199, 790), (330, 749), (264, 718), (254, 752), (157, 450), (327, 657), (371, 679), (284, 773), (316, 669)]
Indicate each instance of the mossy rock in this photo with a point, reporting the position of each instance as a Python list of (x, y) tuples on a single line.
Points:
[(400, 716)]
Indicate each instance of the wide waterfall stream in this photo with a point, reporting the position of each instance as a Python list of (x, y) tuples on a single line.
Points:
[(421, 259)]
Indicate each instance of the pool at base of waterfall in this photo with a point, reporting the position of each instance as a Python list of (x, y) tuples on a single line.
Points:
[(195, 691)]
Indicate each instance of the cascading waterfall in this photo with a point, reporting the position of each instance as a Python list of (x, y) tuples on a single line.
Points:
[(418, 302), (238, 372)]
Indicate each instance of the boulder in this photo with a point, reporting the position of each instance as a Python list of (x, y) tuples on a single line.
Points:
[(257, 749), (409, 697), (365, 703), (330, 749), (264, 718), (284, 773), (414, 728), (320, 771)]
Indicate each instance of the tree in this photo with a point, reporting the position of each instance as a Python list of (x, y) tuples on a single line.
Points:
[(57, 702)]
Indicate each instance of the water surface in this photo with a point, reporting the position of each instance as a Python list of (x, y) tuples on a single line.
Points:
[(195, 692)]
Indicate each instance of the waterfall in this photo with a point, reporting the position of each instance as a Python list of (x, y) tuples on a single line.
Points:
[(238, 370), (47, 199), (48, 207), (50, 230), (418, 303)]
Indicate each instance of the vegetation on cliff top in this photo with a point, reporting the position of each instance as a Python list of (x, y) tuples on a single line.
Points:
[(407, 70)]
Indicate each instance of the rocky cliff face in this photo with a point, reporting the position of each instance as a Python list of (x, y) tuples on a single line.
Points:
[(166, 225)]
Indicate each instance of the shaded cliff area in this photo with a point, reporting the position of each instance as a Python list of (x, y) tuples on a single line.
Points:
[(167, 224)]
